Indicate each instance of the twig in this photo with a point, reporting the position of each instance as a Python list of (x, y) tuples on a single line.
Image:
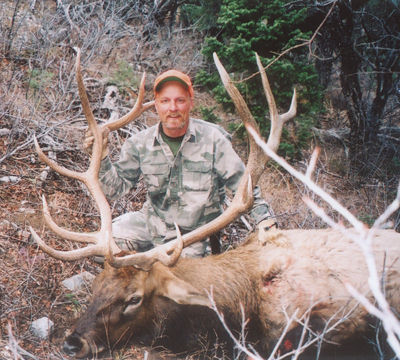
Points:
[(358, 225), (15, 348), (30, 140), (239, 344)]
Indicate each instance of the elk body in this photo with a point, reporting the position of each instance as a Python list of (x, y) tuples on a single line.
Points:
[(267, 280), (279, 281)]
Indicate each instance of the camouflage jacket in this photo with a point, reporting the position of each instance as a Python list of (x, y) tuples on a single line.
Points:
[(188, 189)]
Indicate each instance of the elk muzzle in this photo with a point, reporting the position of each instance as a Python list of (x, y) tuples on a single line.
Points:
[(77, 346)]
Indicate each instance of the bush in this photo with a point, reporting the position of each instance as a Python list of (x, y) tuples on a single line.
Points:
[(39, 78), (124, 76), (246, 27), (207, 114)]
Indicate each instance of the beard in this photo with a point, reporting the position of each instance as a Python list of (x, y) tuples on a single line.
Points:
[(174, 122)]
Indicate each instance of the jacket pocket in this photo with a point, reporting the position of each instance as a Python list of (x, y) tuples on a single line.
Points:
[(155, 175), (197, 175)]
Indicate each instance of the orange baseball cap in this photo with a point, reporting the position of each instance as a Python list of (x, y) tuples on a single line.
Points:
[(173, 75)]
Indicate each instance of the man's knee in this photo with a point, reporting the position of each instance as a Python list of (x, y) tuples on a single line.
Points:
[(133, 244), (197, 250), (130, 232)]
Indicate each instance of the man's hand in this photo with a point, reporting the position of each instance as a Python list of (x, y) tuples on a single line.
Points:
[(267, 224), (89, 139)]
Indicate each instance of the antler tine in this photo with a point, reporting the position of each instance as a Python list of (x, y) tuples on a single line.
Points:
[(64, 233), (235, 95), (96, 153), (102, 239), (256, 156), (277, 120), (53, 165), (137, 110), (168, 254), (69, 255)]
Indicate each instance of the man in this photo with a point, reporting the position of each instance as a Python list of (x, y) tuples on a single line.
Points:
[(186, 165)]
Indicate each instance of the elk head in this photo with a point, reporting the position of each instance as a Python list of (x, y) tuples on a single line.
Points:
[(138, 289), (131, 305)]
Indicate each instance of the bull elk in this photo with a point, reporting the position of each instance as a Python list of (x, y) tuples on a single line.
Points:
[(264, 288)]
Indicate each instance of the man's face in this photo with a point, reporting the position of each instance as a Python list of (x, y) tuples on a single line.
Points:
[(173, 105)]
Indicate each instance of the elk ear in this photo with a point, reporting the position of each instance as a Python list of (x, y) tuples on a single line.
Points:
[(178, 290)]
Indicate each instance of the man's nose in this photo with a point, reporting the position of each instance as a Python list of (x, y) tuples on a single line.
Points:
[(172, 106)]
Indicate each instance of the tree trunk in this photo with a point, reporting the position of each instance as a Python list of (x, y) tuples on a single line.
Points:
[(349, 69)]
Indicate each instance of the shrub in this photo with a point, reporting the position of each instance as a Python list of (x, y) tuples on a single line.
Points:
[(245, 27)]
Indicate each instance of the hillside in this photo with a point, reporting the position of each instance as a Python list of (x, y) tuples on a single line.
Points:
[(38, 95)]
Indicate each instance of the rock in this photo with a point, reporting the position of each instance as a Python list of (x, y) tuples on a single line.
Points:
[(79, 281), (5, 132), (5, 224), (42, 327), (27, 210), (9, 179)]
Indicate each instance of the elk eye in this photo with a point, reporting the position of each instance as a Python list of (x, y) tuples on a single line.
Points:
[(132, 304), (134, 300)]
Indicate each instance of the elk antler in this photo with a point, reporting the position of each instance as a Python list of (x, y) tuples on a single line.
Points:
[(100, 242), (136, 111), (257, 160)]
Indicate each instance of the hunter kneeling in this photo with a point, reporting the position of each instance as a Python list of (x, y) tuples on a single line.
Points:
[(186, 164)]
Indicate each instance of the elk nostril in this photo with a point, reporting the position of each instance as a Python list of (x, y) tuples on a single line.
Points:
[(72, 344)]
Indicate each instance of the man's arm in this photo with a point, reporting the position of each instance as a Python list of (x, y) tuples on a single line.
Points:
[(119, 178)]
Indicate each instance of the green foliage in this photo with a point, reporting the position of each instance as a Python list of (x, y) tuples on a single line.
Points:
[(394, 166), (207, 114), (202, 13), (39, 78), (367, 219), (124, 76), (237, 128), (268, 28), (72, 297)]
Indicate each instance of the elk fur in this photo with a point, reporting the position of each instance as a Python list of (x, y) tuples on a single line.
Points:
[(272, 276)]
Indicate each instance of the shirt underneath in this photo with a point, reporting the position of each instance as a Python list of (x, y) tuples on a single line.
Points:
[(174, 143)]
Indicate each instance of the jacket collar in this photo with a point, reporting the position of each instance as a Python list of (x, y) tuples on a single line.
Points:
[(190, 134)]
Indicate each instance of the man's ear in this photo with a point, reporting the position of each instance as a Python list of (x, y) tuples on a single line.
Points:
[(166, 284)]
